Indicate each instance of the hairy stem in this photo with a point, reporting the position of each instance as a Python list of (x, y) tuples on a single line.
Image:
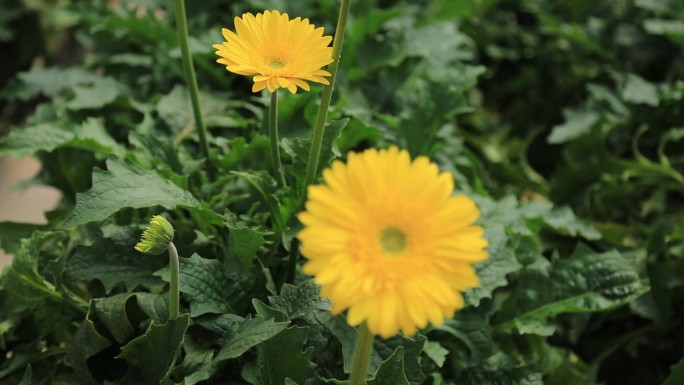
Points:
[(362, 351), (273, 134), (191, 80), (319, 128), (174, 295)]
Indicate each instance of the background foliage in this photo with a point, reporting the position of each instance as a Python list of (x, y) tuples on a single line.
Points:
[(562, 119)]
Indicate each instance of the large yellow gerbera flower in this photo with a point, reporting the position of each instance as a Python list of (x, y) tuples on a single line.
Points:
[(385, 239), (279, 51)]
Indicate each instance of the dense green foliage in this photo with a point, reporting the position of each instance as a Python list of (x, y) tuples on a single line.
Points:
[(563, 120)]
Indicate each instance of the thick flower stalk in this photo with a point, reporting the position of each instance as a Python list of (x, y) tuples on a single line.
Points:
[(156, 239), (191, 80), (385, 239), (280, 52)]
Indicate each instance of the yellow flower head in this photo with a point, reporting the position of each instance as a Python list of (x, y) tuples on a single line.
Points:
[(279, 51), (385, 239), (156, 237)]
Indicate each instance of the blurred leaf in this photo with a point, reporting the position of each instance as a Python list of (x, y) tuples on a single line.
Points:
[(577, 123), (125, 185), (89, 135), (676, 374), (435, 352), (637, 90)]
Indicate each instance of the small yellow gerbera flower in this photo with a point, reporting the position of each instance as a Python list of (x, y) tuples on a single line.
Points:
[(385, 239), (282, 53)]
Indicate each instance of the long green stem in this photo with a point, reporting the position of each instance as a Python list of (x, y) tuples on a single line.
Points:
[(362, 351), (273, 134), (174, 295), (319, 128), (191, 80)]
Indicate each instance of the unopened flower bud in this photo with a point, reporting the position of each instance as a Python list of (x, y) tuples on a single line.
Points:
[(156, 237)]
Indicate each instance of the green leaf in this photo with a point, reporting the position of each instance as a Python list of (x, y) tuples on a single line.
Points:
[(11, 234), (113, 261), (527, 219), (112, 312), (197, 365), (577, 123), (299, 301), (435, 352), (391, 371), (154, 306), (155, 353), (50, 82), (345, 334), (493, 271), (210, 289), (673, 29), (90, 135), (584, 283), (639, 91), (472, 340), (250, 333), (27, 141), (676, 376), (125, 185), (412, 348), (281, 357), (26, 285), (175, 108), (28, 373), (561, 219), (86, 343), (96, 94), (244, 242), (299, 149)]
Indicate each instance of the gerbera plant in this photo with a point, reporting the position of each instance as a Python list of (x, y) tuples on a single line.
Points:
[(385, 239)]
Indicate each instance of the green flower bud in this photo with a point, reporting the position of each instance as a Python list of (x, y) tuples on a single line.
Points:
[(156, 237)]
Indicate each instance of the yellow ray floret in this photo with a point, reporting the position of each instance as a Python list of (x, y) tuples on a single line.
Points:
[(387, 241), (280, 52)]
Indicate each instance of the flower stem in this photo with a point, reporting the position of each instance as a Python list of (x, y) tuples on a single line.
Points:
[(362, 351), (174, 295), (292, 261), (273, 134), (191, 80), (319, 128)]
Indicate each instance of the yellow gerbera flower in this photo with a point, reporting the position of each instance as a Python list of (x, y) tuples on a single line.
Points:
[(385, 239), (279, 51)]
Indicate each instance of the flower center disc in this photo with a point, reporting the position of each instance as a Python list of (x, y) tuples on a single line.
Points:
[(393, 240), (276, 63)]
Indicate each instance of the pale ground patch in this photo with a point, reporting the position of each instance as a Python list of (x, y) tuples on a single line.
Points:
[(28, 205)]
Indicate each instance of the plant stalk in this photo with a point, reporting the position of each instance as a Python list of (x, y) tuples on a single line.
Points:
[(191, 80), (362, 352), (319, 128), (292, 261), (174, 295), (273, 134)]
